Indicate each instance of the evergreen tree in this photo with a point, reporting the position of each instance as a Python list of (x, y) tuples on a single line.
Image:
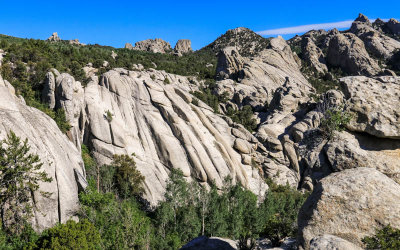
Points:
[(128, 180), (19, 177)]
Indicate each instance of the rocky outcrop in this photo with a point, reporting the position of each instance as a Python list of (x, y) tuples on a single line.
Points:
[(62, 91), (54, 38), (113, 54), (230, 64), (375, 41), (260, 76), (375, 103), (331, 242), (350, 150), (394, 26), (158, 123), (313, 55), (128, 46), (48, 92), (350, 204), (61, 160), (348, 52), (183, 46), (76, 42), (152, 45)]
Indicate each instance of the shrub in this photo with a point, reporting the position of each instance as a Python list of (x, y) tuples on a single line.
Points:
[(385, 238), (166, 80), (335, 119), (243, 116), (109, 116), (71, 235), (279, 212)]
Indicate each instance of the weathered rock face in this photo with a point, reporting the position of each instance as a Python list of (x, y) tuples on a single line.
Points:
[(375, 41), (259, 77), (128, 46), (394, 26), (313, 55), (48, 93), (183, 46), (66, 93), (61, 160), (54, 38), (375, 103), (331, 242), (349, 150), (348, 52), (159, 124), (230, 63), (350, 204), (153, 45)]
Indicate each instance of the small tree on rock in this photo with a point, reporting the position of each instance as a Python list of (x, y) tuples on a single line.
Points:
[(19, 177)]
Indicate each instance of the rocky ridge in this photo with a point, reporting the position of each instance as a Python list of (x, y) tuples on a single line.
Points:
[(149, 117), (151, 45)]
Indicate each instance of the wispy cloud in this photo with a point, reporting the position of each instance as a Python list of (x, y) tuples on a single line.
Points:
[(308, 27)]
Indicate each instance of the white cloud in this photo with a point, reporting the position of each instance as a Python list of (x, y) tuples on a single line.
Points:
[(305, 28)]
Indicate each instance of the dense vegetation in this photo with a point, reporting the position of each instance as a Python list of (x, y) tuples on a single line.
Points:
[(385, 238), (112, 215), (27, 61)]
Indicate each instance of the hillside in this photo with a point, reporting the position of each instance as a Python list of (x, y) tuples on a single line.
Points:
[(249, 142), (247, 42)]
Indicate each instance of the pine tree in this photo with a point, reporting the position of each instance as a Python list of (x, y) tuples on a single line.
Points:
[(128, 180), (19, 177)]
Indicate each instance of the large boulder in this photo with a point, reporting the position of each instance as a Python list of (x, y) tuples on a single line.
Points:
[(331, 242), (375, 105), (350, 204), (230, 63), (210, 243), (348, 52), (352, 150), (128, 46), (54, 38), (153, 45), (183, 46), (260, 76), (61, 160)]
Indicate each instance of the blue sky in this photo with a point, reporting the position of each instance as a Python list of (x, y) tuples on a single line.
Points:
[(116, 22)]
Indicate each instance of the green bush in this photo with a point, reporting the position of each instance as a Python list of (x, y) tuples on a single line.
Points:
[(385, 238), (128, 180), (71, 235), (243, 116), (334, 120), (279, 213)]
